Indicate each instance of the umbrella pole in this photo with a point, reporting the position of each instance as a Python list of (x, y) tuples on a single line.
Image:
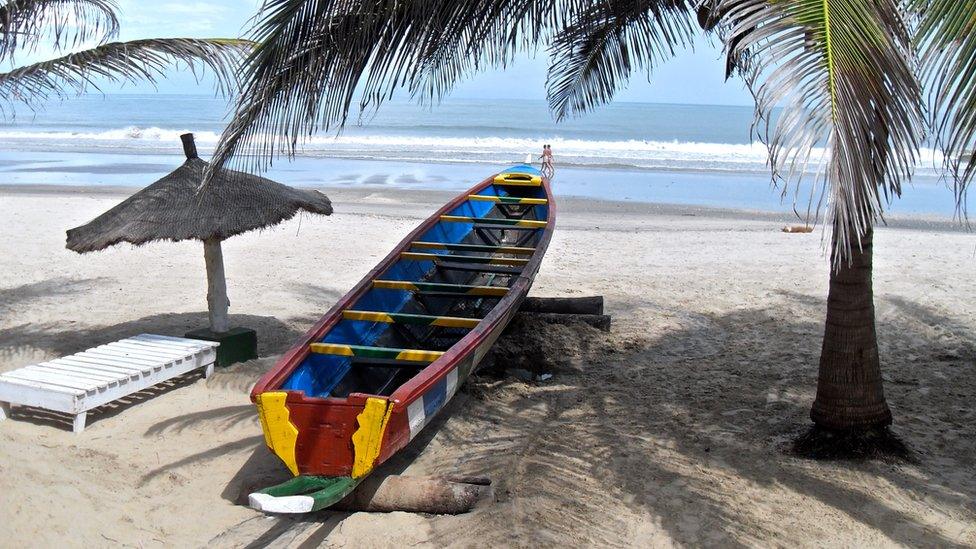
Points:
[(217, 302)]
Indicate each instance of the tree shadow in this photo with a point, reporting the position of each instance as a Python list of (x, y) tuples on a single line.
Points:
[(57, 339), (685, 429), (690, 444), (12, 298)]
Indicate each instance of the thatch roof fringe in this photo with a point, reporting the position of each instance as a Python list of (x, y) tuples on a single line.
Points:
[(172, 209)]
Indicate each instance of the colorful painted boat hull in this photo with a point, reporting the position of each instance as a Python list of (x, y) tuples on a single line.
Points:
[(318, 431)]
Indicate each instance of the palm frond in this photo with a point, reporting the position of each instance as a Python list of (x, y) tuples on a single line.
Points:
[(137, 60), (65, 23), (947, 39), (315, 59), (595, 54), (843, 72)]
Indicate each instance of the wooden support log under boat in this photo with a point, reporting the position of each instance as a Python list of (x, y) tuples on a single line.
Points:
[(382, 494), (590, 305), (430, 495), (600, 322)]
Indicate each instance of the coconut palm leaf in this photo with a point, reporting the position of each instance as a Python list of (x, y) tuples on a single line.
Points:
[(137, 60), (595, 54), (947, 39), (843, 72), (315, 59), (65, 23)]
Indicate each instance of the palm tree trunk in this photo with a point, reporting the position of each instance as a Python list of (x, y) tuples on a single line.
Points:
[(850, 395)]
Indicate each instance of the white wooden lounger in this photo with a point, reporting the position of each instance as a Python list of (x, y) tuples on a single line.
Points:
[(79, 382)]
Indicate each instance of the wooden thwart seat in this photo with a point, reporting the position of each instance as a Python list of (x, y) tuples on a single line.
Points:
[(405, 318), (515, 250), (478, 268), (382, 353), (440, 288), (493, 221), (518, 179), (420, 256), (507, 199)]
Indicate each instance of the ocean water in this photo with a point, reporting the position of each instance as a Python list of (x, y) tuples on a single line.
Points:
[(684, 154)]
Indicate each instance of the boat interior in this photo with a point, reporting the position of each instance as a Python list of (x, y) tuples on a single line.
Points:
[(448, 279)]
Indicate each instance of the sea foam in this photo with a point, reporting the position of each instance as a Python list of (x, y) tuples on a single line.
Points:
[(628, 154)]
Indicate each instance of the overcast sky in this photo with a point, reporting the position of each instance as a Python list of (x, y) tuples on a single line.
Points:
[(693, 77)]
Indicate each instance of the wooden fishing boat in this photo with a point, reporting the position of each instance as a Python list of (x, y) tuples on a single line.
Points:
[(366, 379)]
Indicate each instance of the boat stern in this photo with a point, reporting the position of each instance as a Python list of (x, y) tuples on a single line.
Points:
[(280, 434), (325, 437)]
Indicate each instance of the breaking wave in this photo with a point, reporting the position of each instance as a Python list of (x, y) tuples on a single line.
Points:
[(594, 154)]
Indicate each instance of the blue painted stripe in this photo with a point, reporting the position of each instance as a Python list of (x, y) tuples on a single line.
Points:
[(434, 398)]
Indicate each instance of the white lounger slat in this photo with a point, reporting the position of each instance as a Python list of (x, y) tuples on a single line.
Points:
[(94, 383), (75, 371), (150, 346), (115, 363), (148, 351), (177, 340), (117, 370), (77, 383), (80, 381), (123, 352), (169, 344), (35, 384), (81, 371), (118, 357), (62, 381)]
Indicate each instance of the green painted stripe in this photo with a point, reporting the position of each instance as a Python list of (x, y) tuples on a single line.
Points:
[(440, 287), (461, 288), (406, 318), (416, 355), (493, 221), (420, 256)]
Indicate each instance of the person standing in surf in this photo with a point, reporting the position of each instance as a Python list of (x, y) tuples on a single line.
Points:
[(548, 169)]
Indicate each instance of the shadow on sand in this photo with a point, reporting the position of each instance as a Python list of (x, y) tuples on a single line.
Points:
[(682, 430), (685, 431)]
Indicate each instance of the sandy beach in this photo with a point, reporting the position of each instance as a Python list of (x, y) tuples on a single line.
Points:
[(670, 430)]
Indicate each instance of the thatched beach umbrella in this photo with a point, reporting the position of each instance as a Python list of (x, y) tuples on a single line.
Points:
[(173, 209)]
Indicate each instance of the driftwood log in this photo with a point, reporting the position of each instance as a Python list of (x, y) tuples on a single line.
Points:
[(432, 495), (590, 305), (566, 310), (601, 322)]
